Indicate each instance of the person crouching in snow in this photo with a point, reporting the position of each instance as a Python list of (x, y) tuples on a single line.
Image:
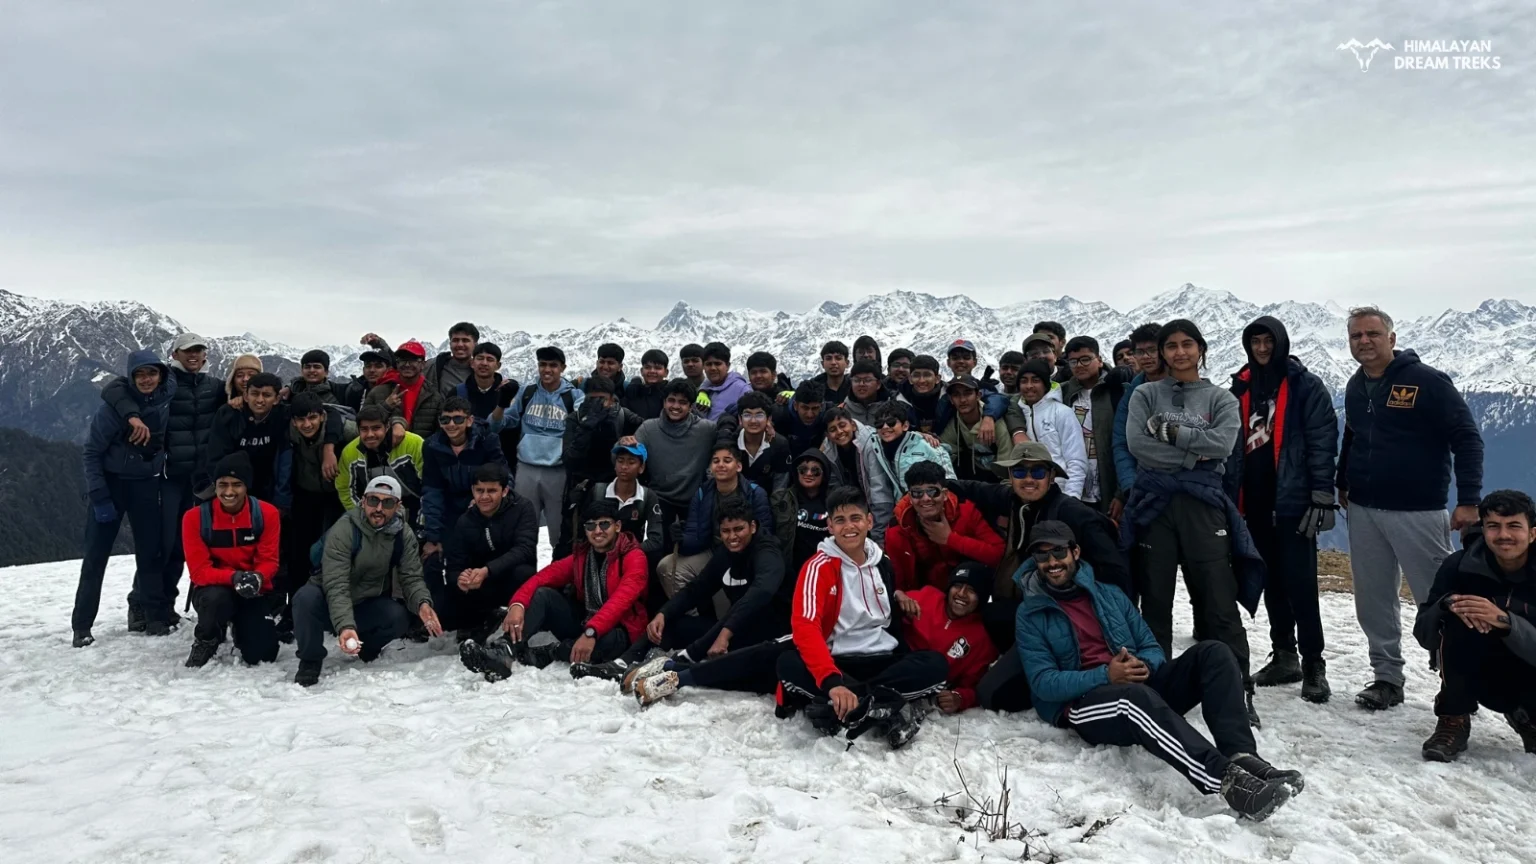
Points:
[(594, 624), (232, 547), (850, 669), (949, 622), (1094, 666)]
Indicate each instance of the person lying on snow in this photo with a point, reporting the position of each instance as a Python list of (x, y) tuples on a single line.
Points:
[(949, 621)]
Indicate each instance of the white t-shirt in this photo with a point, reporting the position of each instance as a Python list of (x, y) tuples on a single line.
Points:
[(1082, 406)]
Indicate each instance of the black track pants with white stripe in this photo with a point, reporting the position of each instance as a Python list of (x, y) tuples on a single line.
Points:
[(913, 674), (1152, 714)]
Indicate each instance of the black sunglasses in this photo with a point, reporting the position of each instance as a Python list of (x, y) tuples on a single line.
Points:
[(453, 420), (930, 492), (1038, 472), (1057, 553), (598, 524), (809, 470), (889, 423)]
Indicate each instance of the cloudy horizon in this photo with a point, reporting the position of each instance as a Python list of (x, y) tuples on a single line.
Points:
[(543, 166)]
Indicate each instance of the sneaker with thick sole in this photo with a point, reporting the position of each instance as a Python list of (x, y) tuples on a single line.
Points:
[(83, 638), (202, 652), (469, 655), (903, 727), (613, 670), (1449, 740), (1379, 696), (1524, 725), (1253, 799), (649, 691), (157, 628), (1284, 667), (1261, 769), (309, 673), (653, 666), (823, 718), (136, 619), (1254, 719), (175, 620), (874, 712), (1314, 680)]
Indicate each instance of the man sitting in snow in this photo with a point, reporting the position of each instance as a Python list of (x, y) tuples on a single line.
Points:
[(1094, 666), (949, 621), (1481, 620), (850, 668)]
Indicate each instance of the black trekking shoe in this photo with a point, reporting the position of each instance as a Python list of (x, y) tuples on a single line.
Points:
[(136, 619), (82, 639), (874, 713), (156, 628), (903, 727), (1524, 725), (1283, 668), (202, 652), (370, 652), (1261, 769), (1449, 739), (1254, 719), (1252, 798), (469, 655), (309, 673), (175, 620), (1314, 680), (613, 670), (538, 655), (495, 660), (1379, 696)]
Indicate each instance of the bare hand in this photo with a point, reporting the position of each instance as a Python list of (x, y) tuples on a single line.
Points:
[(655, 629), (138, 433), (328, 464), (843, 701), (1124, 668), (430, 549), (1479, 613), (1463, 516), (1116, 510), (397, 434), (937, 531), (986, 433), (429, 620), (513, 623), (933, 441), (949, 702), (393, 400), (348, 642), (722, 643), (908, 605), (1344, 501), (284, 394), (628, 441), (236, 402), (581, 652)]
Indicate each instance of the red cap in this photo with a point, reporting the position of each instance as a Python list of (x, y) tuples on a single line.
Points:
[(412, 349)]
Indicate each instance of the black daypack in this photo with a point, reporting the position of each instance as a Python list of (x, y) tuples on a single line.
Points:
[(206, 531)]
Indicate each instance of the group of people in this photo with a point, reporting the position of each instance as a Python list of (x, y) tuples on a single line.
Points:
[(862, 544)]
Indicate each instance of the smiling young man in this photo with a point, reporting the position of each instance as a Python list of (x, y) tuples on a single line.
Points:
[(1092, 394), (412, 402), (591, 432), (866, 392), (260, 427), (1149, 369), (540, 411), (722, 386), (313, 482), (488, 393), (700, 539), (948, 620), (800, 511), (1094, 667), (691, 356), (834, 374), (935, 531), (449, 460), (768, 456), (232, 545), (491, 551), (376, 363), (850, 669), (854, 449), (1480, 623), (644, 394), (803, 421), (678, 445), (964, 437), (764, 376), (371, 455), (314, 377), (454, 366), (898, 365), (1032, 416), (901, 448)]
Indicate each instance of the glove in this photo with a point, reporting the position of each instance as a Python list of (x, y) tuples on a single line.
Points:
[(1161, 429), (1319, 517), (247, 584), (103, 511), (506, 395)]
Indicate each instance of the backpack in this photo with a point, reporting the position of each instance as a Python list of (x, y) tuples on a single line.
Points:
[(514, 436), (205, 526), (317, 551)]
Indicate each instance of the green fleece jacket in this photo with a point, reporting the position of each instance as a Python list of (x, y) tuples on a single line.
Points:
[(346, 579)]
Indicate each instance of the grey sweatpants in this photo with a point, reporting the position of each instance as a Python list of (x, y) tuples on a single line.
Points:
[(545, 487), (1381, 542)]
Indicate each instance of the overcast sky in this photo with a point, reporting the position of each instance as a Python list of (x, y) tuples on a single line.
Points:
[(300, 169)]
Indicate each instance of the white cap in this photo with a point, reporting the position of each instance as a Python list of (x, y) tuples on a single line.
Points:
[(188, 340), (383, 485)]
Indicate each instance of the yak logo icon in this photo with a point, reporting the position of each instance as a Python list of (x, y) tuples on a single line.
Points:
[(1364, 53), (1402, 396)]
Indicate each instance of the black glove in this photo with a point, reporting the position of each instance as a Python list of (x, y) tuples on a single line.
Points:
[(506, 395), (247, 584), (1320, 517)]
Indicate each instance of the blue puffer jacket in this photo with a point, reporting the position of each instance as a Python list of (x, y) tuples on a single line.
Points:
[(107, 451), (1047, 642), (446, 477), (699, 532)]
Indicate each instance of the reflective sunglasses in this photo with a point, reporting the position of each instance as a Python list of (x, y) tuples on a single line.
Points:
[(1058, 553), (379, 502), (598, 524), (453, 421), (809, 470), (1021, 472), (888, 423), (930, 492)]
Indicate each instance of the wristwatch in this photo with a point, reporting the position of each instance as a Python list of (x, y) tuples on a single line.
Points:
[(589, 633)]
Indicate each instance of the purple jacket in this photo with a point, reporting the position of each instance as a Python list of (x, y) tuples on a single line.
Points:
[(723, 396)]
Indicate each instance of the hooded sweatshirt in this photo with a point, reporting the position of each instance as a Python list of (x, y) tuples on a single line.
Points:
[(842, 608), (543, 423), (1264, 417), (723, 396), (678, 454), (1207, 417)]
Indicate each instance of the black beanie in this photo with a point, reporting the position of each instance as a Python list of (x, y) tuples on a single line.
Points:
[(238, 466), (1039, 368), (315, 355), (976, 575)]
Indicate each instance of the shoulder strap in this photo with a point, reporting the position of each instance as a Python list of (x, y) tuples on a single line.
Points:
[(398, 552), (258, 519), (528, 392), (569, 400), (205, 522)]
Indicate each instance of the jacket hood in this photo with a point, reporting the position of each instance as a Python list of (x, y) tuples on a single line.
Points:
[(1402, 358), (872, 553), (1275, 370), (1028, 578), (831, 476), (140, 359)]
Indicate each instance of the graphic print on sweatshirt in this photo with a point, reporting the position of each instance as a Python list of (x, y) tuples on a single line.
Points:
[(1261, 425)]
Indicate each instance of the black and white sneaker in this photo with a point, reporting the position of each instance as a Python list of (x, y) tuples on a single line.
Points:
[(1252, 798), (202, 652), (903, 727), (613, 670), (496, 660), (469, 655), (1261, 769), (874, 713)]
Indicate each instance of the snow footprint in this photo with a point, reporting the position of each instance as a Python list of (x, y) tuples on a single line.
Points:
[(426, 827)]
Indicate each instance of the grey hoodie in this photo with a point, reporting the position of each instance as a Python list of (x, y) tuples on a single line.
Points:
[(1207, 417), (677, 455)]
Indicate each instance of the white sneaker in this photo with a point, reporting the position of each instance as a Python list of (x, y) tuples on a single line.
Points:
[(641, 671), (649, 691)]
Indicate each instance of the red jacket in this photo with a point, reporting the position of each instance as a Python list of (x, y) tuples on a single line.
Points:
[(963, 641), (818, 604), (627, 577), (920, 562), (233, 546)]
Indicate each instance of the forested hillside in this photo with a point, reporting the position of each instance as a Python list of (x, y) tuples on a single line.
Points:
[(42, 500)]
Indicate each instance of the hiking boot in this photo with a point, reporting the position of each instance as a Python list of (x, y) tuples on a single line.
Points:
[(539, 651), (1524, 725), (157, 628), (1449, 739), (202, 652), (653, 666), (903, 727), (649, 691), (469, 655), (494, 661), (1254, 719), (1314, 680), (1283, 668), (174, 621), (1380, 696), (309, 673), (613, 670), (136, 619), (1255, 765), (83, 638), (1251, 797), (874, 712)]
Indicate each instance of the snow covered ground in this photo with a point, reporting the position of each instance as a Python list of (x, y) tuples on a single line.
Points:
[(116, 753)]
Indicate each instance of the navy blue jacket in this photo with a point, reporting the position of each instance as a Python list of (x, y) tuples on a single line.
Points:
[(196, 399), (699, 532), (1398, 447), (446, 477), (107, 451), (1309, 439)]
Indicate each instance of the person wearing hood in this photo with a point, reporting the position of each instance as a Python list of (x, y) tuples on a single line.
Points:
[(1033, 416), (540, 411), (413, 402), (851, 670), (800, 511), (722, 387), (449, 460), (644, 394), (948, 620), (488, 393), (259, 426), (491, 551), (240, 372), (1095, 667), (935, 531), (866, 391), (764, 376), (1479, 622), (453, 367), (855, 449), (1281, 476), (367, 552), (314, 377), (232, 545), (194, 402), (1404, 422), (1182, 430), (122, 478)]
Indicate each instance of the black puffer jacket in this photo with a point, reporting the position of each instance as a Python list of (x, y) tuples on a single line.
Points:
[(197, 397)]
